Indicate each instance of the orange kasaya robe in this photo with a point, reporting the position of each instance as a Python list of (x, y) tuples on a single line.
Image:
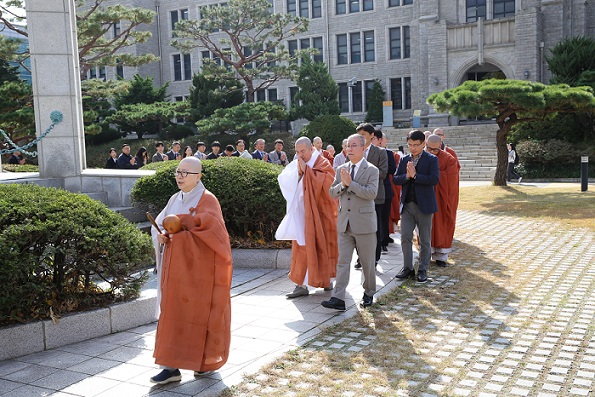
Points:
[(453, 154), (327, 155), (320, 254), (447, 197), (395, 205), (194, 326)]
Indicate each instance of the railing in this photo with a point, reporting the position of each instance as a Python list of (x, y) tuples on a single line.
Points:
[(498, 31)]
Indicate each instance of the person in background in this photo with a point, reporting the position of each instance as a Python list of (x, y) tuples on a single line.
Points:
[(278, 156), (512, 160), (187, 152), (228, 151), (259, 153), (200, 151), (215, 148), (175, 150), (401, 152), (141, 158), (112, 161), (331, 150), (241, 150), (388, 190), (159, 155), (341, 158), (125, 160), (317, 142)]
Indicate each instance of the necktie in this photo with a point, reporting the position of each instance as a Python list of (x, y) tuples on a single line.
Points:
[(352, 171)]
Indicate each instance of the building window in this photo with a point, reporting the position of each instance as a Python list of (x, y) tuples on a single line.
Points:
[(353, 6), (175, 16), (399, 42), (292, 93), (396, 3), (476, 9), (503, 8), (304, 9), (369, 53), (342, 57), (340, 7), (272, 93), (400, 93), (119, 69), (368, 5), (102, 73), (260, 95), (355, 47), (368, 89), (291, 7), (316, 9), (92, 73), (357, 97), (117, 29), (182, 67), (317, 43), (343, 97)]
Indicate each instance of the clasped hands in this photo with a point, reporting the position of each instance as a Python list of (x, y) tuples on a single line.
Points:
[(411, 172), (345, 178)]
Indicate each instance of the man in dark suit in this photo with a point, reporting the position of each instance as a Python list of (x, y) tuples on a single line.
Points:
[(388, 190), (173, 153), (259, 153), (418, 173), (356, 186), (376, 156)]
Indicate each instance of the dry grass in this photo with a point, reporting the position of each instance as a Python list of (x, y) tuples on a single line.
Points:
[(565, 204), (403, 333)]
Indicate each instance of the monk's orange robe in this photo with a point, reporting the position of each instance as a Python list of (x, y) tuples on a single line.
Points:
[(395, 205), (453, 154), (447, 197), (320, 254), (327, 155), (194, 328)]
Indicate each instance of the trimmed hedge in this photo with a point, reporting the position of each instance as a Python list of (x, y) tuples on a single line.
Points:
[(248, 192), (57, 246), (332, 129)]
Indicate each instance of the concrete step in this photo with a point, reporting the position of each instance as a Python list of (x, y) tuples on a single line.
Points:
[(133, 214), (99, 196)]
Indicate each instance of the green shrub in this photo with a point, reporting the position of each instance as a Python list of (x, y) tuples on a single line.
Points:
[(332, 129), (56, 245), (544, 152), (248, 191), (20, 167)]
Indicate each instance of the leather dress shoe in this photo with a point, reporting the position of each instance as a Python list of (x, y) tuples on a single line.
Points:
[(334, 303), (384, 248), (406, 273), (390, 240), (440, 263), (367, 301), (422, 276), (297, 292), (358, 265)]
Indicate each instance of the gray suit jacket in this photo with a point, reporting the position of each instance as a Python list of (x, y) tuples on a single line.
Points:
[(377, 157), (356, 203), (276, 159)]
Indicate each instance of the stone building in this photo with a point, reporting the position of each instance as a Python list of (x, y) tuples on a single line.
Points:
[(413, 47)]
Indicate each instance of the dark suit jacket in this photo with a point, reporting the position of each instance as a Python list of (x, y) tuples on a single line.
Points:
[(377, 157), (256, 155), (392, 167), (427, 176), (171, 155)]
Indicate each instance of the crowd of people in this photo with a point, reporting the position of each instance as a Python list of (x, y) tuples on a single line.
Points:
[(338, 204)]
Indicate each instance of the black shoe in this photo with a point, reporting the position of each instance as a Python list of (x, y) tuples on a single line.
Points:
[(358, 265), (406, 273), (367, 301), (384, 248), (441, 263), (422, 276), (334, 303), (167, 376), (390, 240)]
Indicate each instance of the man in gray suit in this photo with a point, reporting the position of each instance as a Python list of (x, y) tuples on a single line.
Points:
[(356, 187), (376, 156)]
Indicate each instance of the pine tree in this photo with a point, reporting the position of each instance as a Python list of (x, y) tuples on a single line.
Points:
[(375, 99), (318, 92), (209, 94)]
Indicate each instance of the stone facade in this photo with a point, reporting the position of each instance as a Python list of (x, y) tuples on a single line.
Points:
[(444, 46)]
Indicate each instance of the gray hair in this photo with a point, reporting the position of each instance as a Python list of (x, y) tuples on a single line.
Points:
[(360, 138)]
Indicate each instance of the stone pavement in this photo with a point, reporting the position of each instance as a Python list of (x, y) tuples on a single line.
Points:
[(264, 325)]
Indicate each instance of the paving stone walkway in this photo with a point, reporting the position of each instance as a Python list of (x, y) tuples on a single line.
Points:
[(513, 316)]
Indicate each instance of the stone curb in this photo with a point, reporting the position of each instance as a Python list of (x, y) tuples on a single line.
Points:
[(22, 339)]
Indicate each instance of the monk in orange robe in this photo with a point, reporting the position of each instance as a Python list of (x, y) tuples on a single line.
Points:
[(447, 197), (395, 206), (311, 219), (195, 272)]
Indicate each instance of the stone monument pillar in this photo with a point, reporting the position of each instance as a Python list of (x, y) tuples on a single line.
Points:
[(56, 86)]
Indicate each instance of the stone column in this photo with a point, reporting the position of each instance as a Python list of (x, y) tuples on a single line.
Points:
[(56, 86)]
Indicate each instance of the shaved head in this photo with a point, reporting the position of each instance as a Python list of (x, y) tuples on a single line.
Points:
[(434, 139), (304, 148), (191, 164), (304, 140)]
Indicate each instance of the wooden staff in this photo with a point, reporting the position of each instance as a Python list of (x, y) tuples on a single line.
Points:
[(152, 220)]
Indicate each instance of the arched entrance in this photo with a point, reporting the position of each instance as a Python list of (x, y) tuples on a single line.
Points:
[(482, 72)]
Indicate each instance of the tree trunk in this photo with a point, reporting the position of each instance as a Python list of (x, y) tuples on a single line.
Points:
[(502, 165)]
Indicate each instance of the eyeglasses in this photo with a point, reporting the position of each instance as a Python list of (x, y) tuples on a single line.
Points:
[(431, 149), (414, 144), (184, 174)]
